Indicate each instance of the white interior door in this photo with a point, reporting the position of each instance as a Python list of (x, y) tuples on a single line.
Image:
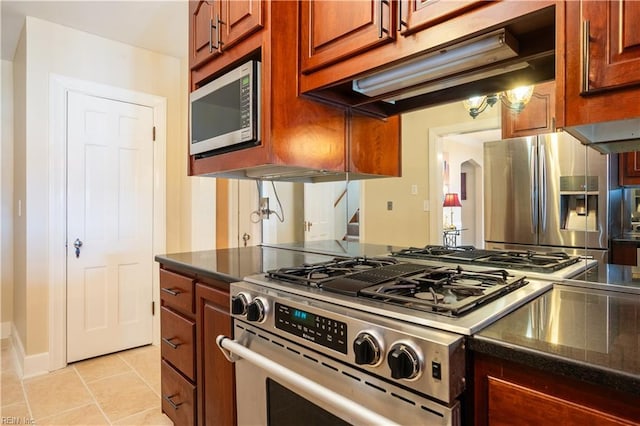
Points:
[(319, 210), (110, 211)]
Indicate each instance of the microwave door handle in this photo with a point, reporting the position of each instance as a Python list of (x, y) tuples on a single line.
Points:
[(232, 350)]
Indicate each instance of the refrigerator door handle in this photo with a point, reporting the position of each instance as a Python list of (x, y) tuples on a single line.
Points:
[(543, 190), (534, 195)]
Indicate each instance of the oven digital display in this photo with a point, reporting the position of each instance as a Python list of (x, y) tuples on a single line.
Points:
[(314, 328), (303, 317)]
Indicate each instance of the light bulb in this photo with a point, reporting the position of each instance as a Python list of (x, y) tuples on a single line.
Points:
[(519, 97)]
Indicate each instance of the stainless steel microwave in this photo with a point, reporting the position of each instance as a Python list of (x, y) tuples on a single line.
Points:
[(225, 113)]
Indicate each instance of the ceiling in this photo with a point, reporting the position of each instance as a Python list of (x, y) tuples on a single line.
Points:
[(157, 25)]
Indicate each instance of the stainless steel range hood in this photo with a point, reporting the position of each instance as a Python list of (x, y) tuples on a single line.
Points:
[(609, 137)]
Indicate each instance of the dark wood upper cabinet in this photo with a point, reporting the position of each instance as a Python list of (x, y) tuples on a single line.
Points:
[(415, 15), (611, 35), (601, 62), (202, 45), (537, 117), (240, 18), (301, 139), (216, 25), (629, 168), (334, 30)]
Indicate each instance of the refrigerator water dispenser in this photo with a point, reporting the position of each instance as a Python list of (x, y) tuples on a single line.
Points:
[(579, 203)]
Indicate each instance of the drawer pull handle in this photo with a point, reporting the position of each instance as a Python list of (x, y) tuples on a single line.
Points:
[(170, 343), (170, 291), (170, 401)]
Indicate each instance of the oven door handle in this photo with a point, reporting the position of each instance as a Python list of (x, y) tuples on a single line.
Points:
[(232, 350)]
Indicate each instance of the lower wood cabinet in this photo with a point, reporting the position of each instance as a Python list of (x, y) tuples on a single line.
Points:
[(198, 383), (178, 396), (624, 253), (506, 393), (216, 375)]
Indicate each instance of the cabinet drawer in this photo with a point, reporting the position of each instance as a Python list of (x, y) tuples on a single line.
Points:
[(178, 335), (176, 291), (178, 396)]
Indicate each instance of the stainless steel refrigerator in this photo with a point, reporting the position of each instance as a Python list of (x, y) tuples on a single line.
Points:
[(549, 192)]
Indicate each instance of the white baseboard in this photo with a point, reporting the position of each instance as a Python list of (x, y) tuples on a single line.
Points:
[(5, 330), (29, 365)]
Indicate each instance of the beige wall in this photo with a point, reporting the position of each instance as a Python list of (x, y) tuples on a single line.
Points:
[(53, 49), (408, 224), (6, 199), (19, 186)]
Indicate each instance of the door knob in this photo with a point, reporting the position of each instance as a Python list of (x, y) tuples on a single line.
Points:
[(77, 244)]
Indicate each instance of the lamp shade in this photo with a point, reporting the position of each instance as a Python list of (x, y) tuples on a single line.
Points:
[(451, 200)]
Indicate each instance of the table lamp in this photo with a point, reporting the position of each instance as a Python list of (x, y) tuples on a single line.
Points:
[(451, 200)]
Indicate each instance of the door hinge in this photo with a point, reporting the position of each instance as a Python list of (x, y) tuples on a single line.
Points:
[(154, 133), (153, 308)]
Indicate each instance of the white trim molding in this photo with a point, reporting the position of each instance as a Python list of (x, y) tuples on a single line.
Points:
[(28, 365), (59, 87)]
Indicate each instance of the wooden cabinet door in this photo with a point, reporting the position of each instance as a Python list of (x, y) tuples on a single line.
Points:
[(629, 168), (203, 36), (239, 19), (509, 401), (334, 30), (415, 15), (624, 253), (216, 375), (536, 118), (611, 37)]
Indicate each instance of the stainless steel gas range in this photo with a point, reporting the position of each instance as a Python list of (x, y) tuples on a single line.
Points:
[(362, 340)]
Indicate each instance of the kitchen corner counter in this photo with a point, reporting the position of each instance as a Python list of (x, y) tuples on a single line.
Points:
[(233, 264), (583, 333)]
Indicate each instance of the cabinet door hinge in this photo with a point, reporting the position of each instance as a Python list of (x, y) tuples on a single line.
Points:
[(153, 308), (154, 133)]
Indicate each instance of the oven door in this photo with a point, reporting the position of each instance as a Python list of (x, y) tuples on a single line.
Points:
[(282, 383)]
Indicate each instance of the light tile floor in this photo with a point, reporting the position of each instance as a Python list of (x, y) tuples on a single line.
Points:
[(116, 389)]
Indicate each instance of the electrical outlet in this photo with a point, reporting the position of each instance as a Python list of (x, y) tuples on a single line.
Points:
[(414, 189), (389, 205), (264, 208)]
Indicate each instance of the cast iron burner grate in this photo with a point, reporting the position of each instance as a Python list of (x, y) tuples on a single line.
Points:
[(318, 273), (446, 291), (522, 260)]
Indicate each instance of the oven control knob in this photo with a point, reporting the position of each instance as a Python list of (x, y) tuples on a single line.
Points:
[(239, 304), (257, 310), (403, 361), (366, 349)]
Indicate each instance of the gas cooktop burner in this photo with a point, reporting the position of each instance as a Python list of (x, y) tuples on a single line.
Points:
[(318, 273), (443, 290), (525, 260), (448, 291)]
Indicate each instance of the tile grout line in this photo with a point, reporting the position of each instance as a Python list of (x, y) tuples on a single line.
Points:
[(142, 378), (95, 400)]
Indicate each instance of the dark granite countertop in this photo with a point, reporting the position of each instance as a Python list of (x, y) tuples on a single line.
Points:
[(584, 333), (233, 264), (631, 237)]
